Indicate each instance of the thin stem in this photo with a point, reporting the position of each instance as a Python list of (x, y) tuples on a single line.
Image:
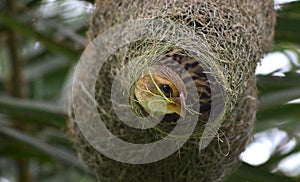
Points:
[(15, 84)]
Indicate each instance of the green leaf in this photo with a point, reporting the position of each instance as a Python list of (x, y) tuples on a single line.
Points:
[(285, 117), (15, 149), (287, 29), (32, 33), (267, 84), (288, 23), (285, 111), (39, 113), (56, 153), (291, 7), (250, 173), (277, 98)]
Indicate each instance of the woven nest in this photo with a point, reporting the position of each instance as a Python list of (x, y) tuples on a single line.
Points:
[(228, 37)]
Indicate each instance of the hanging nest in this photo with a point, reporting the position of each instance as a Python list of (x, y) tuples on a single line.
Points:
[(228, 39)]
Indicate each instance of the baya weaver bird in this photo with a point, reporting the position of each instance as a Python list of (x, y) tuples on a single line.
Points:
[(163, 91)]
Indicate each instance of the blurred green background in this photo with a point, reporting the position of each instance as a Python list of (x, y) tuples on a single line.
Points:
[(40, 43)]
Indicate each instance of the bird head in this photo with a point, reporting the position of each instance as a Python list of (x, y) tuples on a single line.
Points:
[(161, 92)]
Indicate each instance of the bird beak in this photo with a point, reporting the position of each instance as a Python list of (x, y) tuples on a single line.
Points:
[(179, 106)]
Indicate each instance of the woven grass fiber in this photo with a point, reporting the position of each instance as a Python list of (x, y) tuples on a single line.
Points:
[(233, 35)]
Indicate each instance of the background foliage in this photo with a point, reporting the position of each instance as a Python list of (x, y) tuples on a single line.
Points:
[(41, 42)]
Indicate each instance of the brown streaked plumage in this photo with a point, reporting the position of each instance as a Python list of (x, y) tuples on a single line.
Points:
[(161, 91), (172, 82)]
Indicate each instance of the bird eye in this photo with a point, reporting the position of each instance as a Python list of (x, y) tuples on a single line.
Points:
[(166, 89)]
